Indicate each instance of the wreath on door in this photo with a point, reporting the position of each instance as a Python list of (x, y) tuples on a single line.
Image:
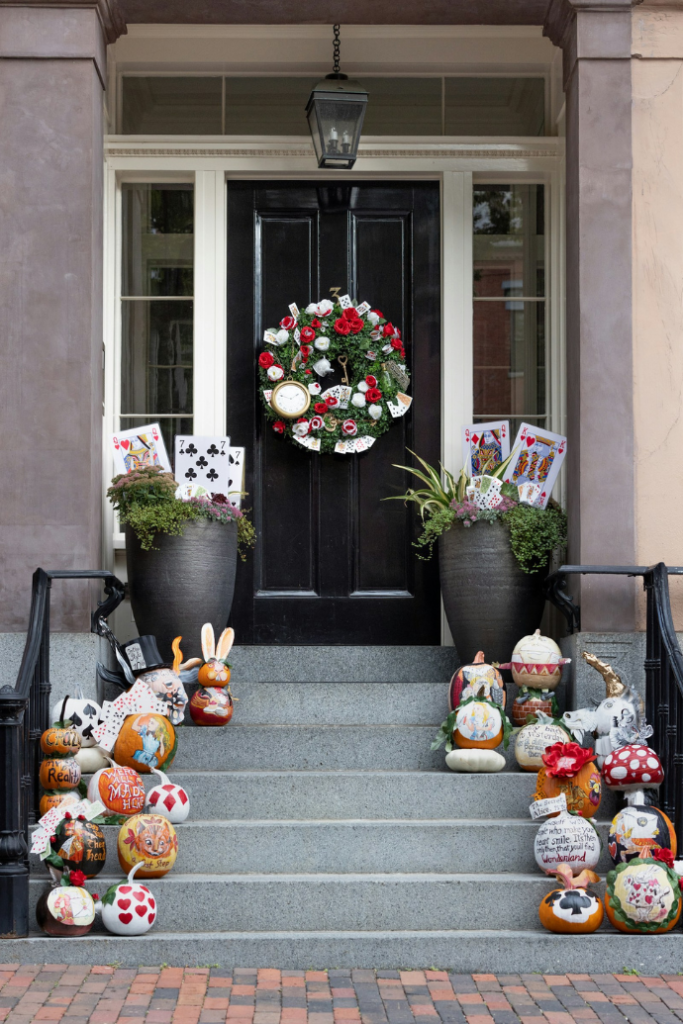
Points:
[(346, 418)]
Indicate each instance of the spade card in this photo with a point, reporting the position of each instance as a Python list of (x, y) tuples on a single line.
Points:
[(203, 460), (139, 448), (485, 446), (236, 476), (539, 456)]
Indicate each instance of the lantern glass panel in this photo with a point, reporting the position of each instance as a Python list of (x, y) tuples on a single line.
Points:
[(336, 121)]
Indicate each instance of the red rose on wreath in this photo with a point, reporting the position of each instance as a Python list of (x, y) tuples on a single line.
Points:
[(307, 334), (373, 395), (371, 381), (397, 343), (77, 878), (265, 360), (356, 326), (342, 326), (306, 351), (331, 400), (377, 313), (349, 428), (289, 323), (279, 427), (315, 322), (321, 408), (565, 760), (388, 330), (350, 313)]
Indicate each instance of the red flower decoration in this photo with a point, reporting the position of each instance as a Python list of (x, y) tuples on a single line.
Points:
[(266, 360), (377, 313), (67, 815), (373, 394), (279, 427), (321, 408), (305, 351), (308, 371), (356, 326), (388, 330), (289, 323), (332, 400), (77, 878), (342, 326), (350, 314), (666, 856), (565, 760), (397, 344), (130, 838), (349, 427), (315, 322), (371, 381), (307, 334)]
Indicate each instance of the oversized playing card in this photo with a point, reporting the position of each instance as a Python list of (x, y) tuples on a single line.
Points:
[(539, 456), (203, 460), (236, 476), (139, 448), (485, 446)]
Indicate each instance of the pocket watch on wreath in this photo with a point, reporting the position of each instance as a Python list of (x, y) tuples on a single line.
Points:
[(350, 416)]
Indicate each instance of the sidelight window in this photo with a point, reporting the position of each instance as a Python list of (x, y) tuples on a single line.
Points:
[(157, 307), (509, 337)]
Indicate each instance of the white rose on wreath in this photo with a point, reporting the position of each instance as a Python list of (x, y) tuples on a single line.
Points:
[(322, 344), (362, 386), (321, 308), (275, 372), (358, 400), (282, 337), (300, 428), (314, 388), (375, 411)]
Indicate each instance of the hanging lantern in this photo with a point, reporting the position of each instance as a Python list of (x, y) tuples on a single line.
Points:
[(335, 112)]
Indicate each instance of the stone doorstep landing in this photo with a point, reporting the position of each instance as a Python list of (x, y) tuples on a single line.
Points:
[(209, 995)]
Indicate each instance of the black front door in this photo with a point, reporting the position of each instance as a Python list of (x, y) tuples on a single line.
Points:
[(334, 564)]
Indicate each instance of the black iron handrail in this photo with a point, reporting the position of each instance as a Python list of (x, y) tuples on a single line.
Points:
[(663, 668), (24, 715)]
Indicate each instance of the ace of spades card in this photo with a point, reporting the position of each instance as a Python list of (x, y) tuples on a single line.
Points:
[(485, 446), (203, 460), (540, 455)]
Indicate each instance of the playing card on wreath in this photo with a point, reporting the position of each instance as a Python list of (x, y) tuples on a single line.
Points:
[(203, 460)]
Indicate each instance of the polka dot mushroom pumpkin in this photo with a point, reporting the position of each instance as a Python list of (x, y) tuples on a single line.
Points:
[(633, 767)]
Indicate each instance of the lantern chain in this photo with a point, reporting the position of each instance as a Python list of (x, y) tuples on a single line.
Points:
[(336, 49)]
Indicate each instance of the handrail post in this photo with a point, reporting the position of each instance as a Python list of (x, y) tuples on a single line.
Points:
[(14, 868)]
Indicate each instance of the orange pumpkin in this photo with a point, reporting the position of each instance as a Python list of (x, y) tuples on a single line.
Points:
[(120, 789), (214, 673), (478, 723), (81, 846), (146, 741), (59, 742), (643, 895), (468, 680), (59, 773), (150, 839), (572, 909), (50, 800), (583, 791)]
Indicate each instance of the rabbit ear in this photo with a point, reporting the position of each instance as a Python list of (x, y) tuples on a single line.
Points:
[(208, 642), (225, 642)]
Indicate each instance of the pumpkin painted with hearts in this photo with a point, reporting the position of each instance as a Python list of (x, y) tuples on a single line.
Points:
[(468, 681), (572, 909), (148, 839), (168, 799), (128, 908), (120, 789), (146, 741), (81, 846), (59, 742), (644, 895), (570, 769)]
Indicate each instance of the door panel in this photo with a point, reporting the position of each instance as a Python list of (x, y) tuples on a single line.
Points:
[(334, 564)]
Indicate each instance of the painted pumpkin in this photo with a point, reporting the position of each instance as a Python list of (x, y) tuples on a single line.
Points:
[(573, 909), (537, 662), (210, 705), (569, 769), (473, 759), (120, 789), (151, 840), (90, 760), (215, 672), (637, 831), (478, 723), (128, 908), (566, 839), (83, 713), (56, 742), (146, 741), (81, 846), (469, 679), (169, 800), (643, 895), (533, 740), (65, 910), (59, 773), (528, 704), (50, 800)]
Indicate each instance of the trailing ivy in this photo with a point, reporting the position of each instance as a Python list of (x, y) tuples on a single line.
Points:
[(535, 533)]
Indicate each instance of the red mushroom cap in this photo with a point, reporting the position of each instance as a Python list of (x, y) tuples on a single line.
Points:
[(632, 767)]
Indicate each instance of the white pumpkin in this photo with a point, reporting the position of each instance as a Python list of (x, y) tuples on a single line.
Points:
[(133, 909), (537, 662), (84, 714), (566, 839), (474, 759), (168, 799), (90, 760), (532, 740)]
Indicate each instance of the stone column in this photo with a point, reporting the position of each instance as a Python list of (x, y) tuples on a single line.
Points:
[(596, 39), (52, 80)]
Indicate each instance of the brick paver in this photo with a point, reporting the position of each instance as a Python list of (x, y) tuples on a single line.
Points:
[(61, 994)]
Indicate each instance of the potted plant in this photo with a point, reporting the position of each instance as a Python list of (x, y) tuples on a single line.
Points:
[(181, 555), (492, 561)]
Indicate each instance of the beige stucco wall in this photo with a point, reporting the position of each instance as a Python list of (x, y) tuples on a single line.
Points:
[(657, 69)]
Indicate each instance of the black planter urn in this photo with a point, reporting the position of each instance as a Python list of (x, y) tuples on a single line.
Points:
[(183, 582), (490, 603)]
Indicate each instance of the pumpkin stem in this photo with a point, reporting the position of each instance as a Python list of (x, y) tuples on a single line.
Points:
[(135, 866), (478, 658), (61, 716)]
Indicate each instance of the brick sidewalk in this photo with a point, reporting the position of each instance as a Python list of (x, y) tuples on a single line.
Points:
[(176, 995)]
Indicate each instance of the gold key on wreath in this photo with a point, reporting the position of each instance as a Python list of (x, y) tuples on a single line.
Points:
[(343, 360)]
